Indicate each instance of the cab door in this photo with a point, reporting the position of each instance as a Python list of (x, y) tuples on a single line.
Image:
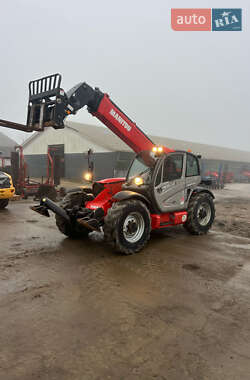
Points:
[(169, 183), (192, 174)]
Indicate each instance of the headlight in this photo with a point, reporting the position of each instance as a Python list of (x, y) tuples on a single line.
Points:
[(88, 176), (138, 181)]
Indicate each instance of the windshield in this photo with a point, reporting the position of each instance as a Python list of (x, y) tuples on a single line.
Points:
[(142, 166)]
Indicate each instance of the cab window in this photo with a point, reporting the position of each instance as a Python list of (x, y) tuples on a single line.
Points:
[(192, 166), (172, 167)]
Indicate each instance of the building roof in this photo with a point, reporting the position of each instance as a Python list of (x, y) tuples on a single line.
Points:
[(104, 137), (109, 141), (6, 145)]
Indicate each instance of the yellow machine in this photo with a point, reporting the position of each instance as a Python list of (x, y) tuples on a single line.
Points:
[(7, 189)]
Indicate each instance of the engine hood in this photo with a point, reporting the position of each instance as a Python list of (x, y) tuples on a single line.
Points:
[(112, 180)]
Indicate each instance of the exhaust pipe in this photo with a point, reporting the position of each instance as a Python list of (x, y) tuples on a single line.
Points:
[(46, 204)]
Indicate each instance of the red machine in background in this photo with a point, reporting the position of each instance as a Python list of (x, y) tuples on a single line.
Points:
[(30, 187), (2, 162), (246, 175)]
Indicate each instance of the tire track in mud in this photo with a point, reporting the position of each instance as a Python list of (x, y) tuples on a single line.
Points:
[(233, 216), (136, 327), (155, 274), (131, 303), (30, 293), (120, 312)]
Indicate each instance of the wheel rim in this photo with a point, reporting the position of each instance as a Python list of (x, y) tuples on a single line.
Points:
[(133, 227), (204, 214)]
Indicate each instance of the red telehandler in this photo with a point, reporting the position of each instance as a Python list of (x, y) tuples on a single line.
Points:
[(161, 189)]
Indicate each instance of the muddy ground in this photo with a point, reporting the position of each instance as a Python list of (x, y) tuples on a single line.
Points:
[(180, 309)]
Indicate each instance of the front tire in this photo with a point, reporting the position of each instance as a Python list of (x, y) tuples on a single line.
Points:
[(73, 231), (201, 214), (127, 226), (3, 203)]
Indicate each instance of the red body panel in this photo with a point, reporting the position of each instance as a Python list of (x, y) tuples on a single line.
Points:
[(110, 115), (104, 198), (168, 219)]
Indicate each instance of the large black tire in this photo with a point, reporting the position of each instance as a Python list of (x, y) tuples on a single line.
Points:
[(73, 231), (201, 214), (127, 226), (3, 203)]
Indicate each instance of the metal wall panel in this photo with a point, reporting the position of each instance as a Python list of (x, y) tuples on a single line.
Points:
[(112, 164)]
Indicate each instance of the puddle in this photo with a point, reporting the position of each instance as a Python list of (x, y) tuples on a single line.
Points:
[(190, 267)]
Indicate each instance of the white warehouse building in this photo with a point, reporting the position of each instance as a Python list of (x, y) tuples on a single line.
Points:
[(111, 156)]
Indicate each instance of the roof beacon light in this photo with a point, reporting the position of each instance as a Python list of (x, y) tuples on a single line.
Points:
[(157, 149)]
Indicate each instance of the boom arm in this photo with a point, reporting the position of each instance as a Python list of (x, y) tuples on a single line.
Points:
[(102, 107), (49, 105)]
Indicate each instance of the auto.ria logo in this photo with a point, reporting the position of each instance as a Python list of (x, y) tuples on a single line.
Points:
[(206, 19)]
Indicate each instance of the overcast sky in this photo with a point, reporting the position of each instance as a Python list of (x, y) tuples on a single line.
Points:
[(186, 85)]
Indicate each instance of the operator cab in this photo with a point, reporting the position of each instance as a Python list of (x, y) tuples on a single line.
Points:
[(166, 179)]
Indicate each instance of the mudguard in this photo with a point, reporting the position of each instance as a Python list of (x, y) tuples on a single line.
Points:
[(128, 194), (200, 189)]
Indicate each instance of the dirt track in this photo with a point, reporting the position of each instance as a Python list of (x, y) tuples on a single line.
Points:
[(233, 209), (76, 310)]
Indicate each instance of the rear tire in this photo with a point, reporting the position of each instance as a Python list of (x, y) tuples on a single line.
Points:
[(73, 231), (3, 203), (201, 214), (127, 226)]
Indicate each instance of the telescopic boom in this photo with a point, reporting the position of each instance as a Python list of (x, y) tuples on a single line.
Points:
[(49, 105)]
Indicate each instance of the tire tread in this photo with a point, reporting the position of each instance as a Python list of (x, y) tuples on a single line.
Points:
[(191, 224), (110, 223)]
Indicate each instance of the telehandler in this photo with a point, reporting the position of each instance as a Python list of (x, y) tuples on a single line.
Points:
[(161, 189)]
